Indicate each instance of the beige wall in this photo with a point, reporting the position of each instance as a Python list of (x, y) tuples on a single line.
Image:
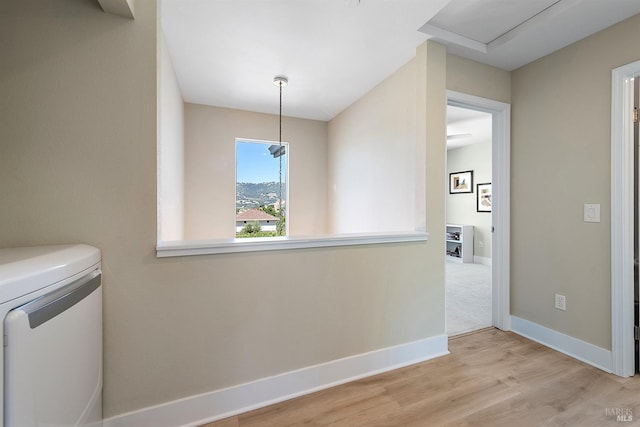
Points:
[(462, 208), (78, 164), (474, 78), (211, 133), (432, 63), (561, 136), (372, 158), (170, 149)]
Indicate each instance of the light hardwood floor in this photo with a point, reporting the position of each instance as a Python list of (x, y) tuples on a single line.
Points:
[(491, 378)]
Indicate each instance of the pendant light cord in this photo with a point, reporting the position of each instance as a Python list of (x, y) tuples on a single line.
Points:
[(280, 158), (280, 81)]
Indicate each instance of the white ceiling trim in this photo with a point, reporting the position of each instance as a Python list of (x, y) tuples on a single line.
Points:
[(443, 35), (554, 27), (547, 14)]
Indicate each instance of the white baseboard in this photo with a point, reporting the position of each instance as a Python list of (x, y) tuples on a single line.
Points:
[(219, 404), (588, 353), (482, 260)]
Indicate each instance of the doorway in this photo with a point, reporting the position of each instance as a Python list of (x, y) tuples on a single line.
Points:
[(468, 284), (500, 190), (622, 219), (636, 204)]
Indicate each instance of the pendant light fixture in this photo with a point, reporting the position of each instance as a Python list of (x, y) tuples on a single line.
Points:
[(281, 82)]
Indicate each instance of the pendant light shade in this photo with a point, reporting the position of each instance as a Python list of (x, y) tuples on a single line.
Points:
[(280, 81)]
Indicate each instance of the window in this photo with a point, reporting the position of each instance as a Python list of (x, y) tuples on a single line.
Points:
[(261, 188)]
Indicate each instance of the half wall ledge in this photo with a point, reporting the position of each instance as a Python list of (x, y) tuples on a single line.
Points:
[(210, 247)]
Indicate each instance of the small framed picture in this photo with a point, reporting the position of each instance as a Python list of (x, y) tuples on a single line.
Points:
[(483, 197), (461, 182)]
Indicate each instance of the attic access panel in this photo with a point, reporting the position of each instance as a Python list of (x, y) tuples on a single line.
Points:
[(486, 20)]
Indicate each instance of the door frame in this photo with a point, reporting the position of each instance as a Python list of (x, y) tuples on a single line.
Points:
[(500, 216), (622, 214)]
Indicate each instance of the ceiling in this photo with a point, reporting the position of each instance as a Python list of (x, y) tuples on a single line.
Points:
[(466, 127), (227, 52)]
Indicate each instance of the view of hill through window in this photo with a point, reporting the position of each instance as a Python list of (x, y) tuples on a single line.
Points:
[(261, 167)]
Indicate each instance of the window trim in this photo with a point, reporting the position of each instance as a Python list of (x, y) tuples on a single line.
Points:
[(225, 246)]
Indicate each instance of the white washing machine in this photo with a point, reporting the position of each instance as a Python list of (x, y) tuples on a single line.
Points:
[(51, 311)]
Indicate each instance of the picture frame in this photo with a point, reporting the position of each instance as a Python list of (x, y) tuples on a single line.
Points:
[(484, 199), (461, 182)]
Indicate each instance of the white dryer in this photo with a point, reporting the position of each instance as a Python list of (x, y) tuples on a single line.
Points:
[(51, 312)]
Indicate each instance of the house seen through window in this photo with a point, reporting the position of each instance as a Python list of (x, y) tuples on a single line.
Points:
[(261, 188)]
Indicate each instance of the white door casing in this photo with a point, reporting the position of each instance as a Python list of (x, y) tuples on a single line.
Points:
[(622, 214), (500, 218)]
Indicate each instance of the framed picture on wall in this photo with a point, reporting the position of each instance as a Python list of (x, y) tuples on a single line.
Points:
[(461, 182), (483, 197)]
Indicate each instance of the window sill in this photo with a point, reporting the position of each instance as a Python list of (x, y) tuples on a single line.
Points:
[(209, 247)]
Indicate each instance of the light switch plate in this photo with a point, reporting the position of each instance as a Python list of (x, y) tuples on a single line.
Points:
[(591, 212)]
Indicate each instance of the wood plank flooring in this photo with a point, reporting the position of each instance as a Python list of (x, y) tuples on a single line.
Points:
[(491, 378)]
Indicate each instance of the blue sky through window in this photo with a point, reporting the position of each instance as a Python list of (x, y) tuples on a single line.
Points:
[(255, 164)]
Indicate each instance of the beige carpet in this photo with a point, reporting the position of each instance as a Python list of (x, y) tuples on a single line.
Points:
[(468, 297)]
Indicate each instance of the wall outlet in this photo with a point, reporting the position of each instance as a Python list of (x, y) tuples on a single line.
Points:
[(481, 244), (561, 302)]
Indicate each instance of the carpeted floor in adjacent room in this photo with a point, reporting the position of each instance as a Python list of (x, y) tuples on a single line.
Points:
[(468, 297)]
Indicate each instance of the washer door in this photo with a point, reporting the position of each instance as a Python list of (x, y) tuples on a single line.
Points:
[(53, 358)]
